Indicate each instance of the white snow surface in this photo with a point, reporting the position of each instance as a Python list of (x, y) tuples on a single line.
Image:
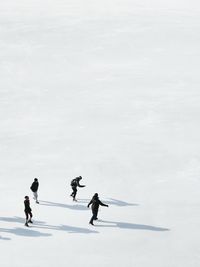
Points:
[(109, 90)]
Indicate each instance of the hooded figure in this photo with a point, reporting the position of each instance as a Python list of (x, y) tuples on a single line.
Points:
[(95, 201), (74, 184), (27, 210), (34, 188)]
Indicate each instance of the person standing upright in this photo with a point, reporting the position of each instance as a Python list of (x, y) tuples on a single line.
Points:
[(28, 211), (34, 188), (74, 184), (95, 201)]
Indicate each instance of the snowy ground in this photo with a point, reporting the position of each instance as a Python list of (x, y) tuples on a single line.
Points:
[(108, 90)]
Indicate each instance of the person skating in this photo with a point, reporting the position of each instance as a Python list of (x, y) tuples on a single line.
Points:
[(74, 184), (34, 188), (28, 211), (95, 201)]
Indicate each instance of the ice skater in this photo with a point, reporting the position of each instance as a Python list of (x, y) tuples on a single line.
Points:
[(34, 188), (95, 201), (74, 184), (28, 211)]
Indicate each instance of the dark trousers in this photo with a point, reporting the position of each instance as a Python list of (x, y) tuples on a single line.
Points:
[(29, 215), (73, 194), (94, 215)]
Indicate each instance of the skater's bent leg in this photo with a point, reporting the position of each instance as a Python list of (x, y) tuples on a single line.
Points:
[(30, 217), (94, 216), (74, 193), (26, 213), (35, 196), (91, 220), (26, 222)]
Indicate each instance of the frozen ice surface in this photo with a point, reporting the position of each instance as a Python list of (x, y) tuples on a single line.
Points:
[(109, 90)]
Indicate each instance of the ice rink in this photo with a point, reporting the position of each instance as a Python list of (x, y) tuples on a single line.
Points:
[(109, 90)]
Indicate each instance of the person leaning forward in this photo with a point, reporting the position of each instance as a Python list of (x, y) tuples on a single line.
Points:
[(95, 202)]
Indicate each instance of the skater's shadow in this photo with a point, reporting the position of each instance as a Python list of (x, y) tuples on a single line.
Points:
[(66, 206), (21, 231), (40, 225), (12, 219), (78, 230), (83, 200), (131, 226), (67, 228), (4, 238), (111, 201), (15, 219), (24, 232)]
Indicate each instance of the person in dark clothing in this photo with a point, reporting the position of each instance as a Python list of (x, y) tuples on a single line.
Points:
[(34, 188), (74, 184), (95, 207), (27, 210)]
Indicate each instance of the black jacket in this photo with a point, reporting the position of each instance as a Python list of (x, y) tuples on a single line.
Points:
[(34, 186), (76, 182), (27, 205), (95, 203)]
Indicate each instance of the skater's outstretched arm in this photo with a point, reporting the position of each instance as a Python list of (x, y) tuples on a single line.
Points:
[(78, 182), (79, 185), (102, 204)]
